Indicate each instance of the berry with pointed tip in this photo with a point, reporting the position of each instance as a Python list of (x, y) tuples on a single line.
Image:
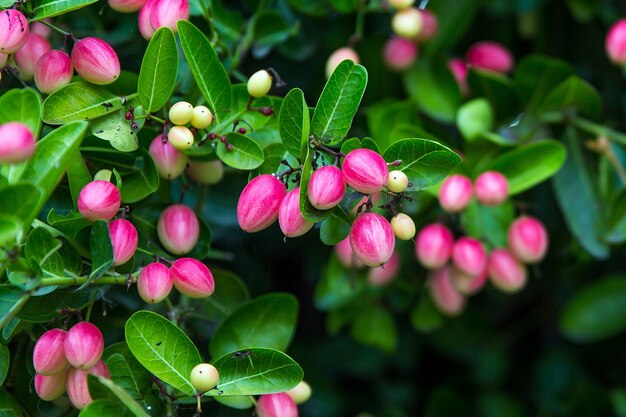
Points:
[(201, 117), (276, 405), (95, 61), (126, 6), (447, 299), (192, 278), (615, 42), (338, 57), (398, 181), (165, 13), (407, 23), (28, 55), (124, 240), (52, 71), (403, 226), (455, 193), (300, 393), (372, 239), (180, 113), (401, 4), (154, 283), (399, 53), (469, 256), (17, 143), (505, 272), (430, 26), (99, 200), (48, 355), (204, 377), (169, 161), (259, 84), (78, 387), (433, 247), (180, 137), (51, 387), (326, 187), (83, 345), (209, 172), (491, 188), (290, 218), (383, 275), (13, 31), (365, 170), (178, 229), (528, 239), (258, 203), (346, 256), (459, 70), (490, 56), (468, 284)]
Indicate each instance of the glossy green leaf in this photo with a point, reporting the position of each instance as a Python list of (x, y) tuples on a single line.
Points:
[(267, 321), (5, 362), (274, 155), (574, 93), (537, 75), (498, 89), (120, 394), (230, 292), (244, 154), (51, 8), (159, 68), (100, 408), (459, 16), (375, 326), (596, 311), (10, 229), (143, 182), (312, 159), (334, 229), (117, 130), (206, 68), (8, 407), (488, 223), (101, 250), (163, 349), (338, 285), (78, 101), (294, 122), (43, 248), (256, 371), (70, 224), (338, 103), (126, 371), (77, 175), (384, 116), (22, 105), (45, 308), (19, 200)]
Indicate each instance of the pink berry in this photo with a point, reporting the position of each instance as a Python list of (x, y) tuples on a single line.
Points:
[(78, 387), (53, 70), (169, 161), (430, 26), (28, 55), (124, 240), (143, 19), (491, 188), (433, 246), (126, 6), (41, 29), (17, 143), (95, 61), (455, 193), (51, 387), (490, 56), (346, 256), (365, 171), (258, 203), (615, 42), (468, 284), (83, 345), (178, 229), (528, 239), (165, 13), (459, 70), (505, 272), (154, 283), (469, 256), (276, 405), (399, 53), (382, 275), (326, 187), (338, 57), (192, 278), (290, 218), (99, 200), (48, 355), (447, 299), (372, 239), (13, 31)]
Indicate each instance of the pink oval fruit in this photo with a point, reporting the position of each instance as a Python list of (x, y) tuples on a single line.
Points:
[(505, 272), (459, 70), (124, 240), (165, 13), (490, 56), (51, 387), (83, 345), (290, 218), (365, 170), (258, 203), (178, 229), (276, 405), (48, 355), (455, 193), (491, 188), (399, 53), (13, 31), (433, 246), (338, 57), (95, 61), (346, 256), (17, 143), (469, 256), (169, 161), (99, 200), (615, 42), (78, 387), (528, 239), (53, 70), (468, 284), (326, 187), (28, 55), (447, 299), (383, 275), (372, 239), (192, 278), (154, 283)]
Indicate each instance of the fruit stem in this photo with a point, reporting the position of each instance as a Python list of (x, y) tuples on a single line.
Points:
[(158, 119), (61, 31), (106, 280)]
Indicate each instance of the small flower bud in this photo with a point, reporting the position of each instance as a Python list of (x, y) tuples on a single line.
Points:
[(469, 256), (528, 239), (399, 53), (455, 193), (210, 172), (180, 137), (201, 117), (365, 171), (78, 387), (403, 226), (259, 84), (53, 70), (95, 61), (459, 70), (468, 284), (192, 278), (447, 299), (99, 200), (204, 377), (51, 387), (154, 283), (407, 23), (178, 229), (126, 6), (372, 239), (83, 345), (180, 113), (124, 240), (276, 405), (338, 57), (491, 188), (398, 181), (382, 275), (346, 256), (28, 55), (505, 272), (434, 246), (290, 218), (169, 161), (48, 355), (430, 26), (258, 203), (490, 56), (326, 187), (17, 143), (165, 13), (13, 31)]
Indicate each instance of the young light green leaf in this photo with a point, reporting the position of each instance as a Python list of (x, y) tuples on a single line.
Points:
[(51, 8), (101, 250), (375, 326), (244, 152), (163, 349), (19, 199), (338, 103), (117, 130), (22, 105), (159, 68), (294, 122), (78, 101)]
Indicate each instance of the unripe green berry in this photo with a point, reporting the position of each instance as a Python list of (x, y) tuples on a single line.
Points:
[(259, 84), (398, 181), (300, 393), (201, 117), (180, 137), (407, 23), (204, 377), (401, 4), (403, 226), (181, 113), (474, 118)]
